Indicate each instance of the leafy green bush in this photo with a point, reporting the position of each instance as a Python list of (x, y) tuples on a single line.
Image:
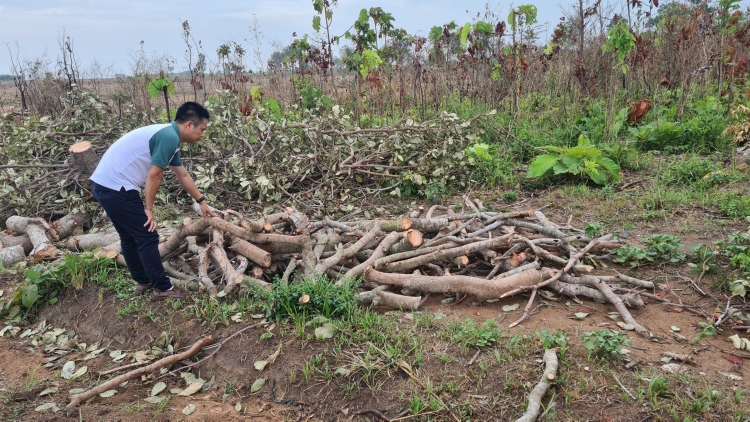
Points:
[(605, 343), (43, 284), (592, 229), (310, 94), (469, 335), (700, 133), (552, 340), (734, 205), (661, 135), (326, 299), (689, 171), (583, 161), (660, 248)]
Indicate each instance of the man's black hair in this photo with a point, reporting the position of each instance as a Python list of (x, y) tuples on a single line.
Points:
[(191, 111)]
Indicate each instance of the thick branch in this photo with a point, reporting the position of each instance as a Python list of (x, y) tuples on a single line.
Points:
[(76, 399), (536, 395), (479, 287)]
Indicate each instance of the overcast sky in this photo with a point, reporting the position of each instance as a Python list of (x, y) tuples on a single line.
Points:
[(108, 32)]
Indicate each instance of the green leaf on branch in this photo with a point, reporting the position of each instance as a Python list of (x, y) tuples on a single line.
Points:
[(158, 85), (542, 164), (316, 23), (29, 295), (465, 34)]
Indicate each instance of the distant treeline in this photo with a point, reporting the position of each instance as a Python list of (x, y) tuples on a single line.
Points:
[(4, 78)]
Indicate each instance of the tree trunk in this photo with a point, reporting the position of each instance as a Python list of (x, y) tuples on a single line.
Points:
[(84, 159)]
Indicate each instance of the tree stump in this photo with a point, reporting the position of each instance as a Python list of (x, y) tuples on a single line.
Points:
[(84, 159)]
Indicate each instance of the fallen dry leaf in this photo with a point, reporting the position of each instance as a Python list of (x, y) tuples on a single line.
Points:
[(735, 359)]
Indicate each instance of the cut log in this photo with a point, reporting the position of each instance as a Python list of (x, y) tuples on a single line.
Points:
[(219, 256), (387, 226), (71, 224), (250, 251), (460, 261), (37, 230), (91, 241), (394, 301), (479, 287), (23, 240), (412, 239), (11, 255), (365, 298), (430, 225)]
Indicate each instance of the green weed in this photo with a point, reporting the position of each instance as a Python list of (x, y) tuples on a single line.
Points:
[(605, 343)]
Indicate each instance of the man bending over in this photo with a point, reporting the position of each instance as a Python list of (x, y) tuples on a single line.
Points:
[(139, 158)]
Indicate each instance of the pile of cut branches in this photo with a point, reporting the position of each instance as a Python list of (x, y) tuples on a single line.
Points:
[(315, 160), (483, 254)]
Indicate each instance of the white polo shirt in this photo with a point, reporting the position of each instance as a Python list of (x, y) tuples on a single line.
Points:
[(128, 161)]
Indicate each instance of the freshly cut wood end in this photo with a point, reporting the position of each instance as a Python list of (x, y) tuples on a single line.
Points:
[(415, 238), (551, 377), (267, 228), (304, 299), (80, 146), (406, 223), (461, 261)]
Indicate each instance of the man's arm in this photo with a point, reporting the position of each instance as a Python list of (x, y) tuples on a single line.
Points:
[(189, 185), (153, 181)]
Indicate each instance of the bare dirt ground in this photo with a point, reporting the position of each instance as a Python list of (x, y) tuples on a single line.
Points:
[(487, 386)]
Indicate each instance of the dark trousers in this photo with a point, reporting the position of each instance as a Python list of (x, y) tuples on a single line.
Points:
[(140, 248)]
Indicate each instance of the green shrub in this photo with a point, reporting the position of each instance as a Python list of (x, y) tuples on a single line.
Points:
[(583, 161), (734, 205), (469, 335), (660, 248), (701, 133), (310, 94), (689, 171), (605, 343)]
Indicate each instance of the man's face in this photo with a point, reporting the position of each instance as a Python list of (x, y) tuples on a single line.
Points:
[(192, 133)]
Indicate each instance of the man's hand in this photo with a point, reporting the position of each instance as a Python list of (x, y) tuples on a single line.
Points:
[(151, 222), (206, 210)]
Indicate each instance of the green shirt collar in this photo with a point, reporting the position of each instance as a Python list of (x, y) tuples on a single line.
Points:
[(176, 129)]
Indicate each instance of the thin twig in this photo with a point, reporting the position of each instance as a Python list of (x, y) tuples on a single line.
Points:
[(525, 310), (623, 387)]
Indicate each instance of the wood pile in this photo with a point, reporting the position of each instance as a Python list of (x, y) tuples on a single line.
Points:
[(480, 254)]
